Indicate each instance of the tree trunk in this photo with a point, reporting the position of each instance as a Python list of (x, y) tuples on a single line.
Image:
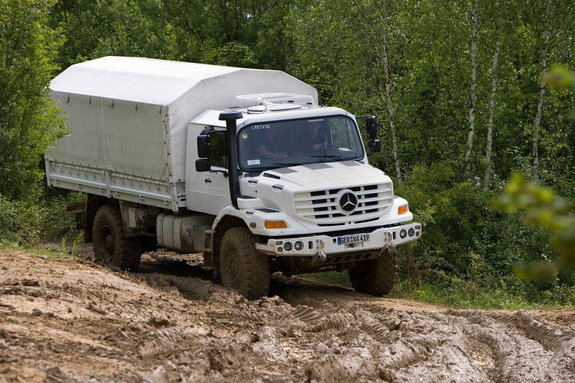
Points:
[(494, 83), (473, 85), (387, 100), (388, 93), (537, 123)]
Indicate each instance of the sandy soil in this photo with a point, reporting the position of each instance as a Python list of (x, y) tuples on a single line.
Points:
[(73, 321)]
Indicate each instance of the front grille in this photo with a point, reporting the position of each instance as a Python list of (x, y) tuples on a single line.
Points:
[(321, 207)]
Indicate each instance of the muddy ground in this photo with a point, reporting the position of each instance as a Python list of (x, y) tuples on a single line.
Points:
[(67, 320)]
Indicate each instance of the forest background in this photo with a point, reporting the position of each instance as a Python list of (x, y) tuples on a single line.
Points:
[(457, 86)]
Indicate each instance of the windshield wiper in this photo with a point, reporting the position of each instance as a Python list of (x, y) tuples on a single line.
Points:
[(284, 164)]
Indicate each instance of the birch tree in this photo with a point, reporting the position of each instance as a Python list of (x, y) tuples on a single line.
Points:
[(473, 83), (388, 102), (494, 85), (385, 94), (537, 123)]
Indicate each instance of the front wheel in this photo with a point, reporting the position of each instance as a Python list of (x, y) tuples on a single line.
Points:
[(377, 276), (111, 247), (243, 268)]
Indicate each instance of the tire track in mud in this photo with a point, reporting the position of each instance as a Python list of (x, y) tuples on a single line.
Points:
[(466, 345), (91, 324), (550, 347)]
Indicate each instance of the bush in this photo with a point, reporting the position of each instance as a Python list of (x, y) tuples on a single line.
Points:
[(27, 223), (57, 223), (19, 223), (463, 237)]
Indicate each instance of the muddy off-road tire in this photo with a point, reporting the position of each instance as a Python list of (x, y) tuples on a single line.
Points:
[(111, 247), (243, 268), (375, 277)]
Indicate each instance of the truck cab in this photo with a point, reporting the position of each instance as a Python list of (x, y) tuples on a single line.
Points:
[(305, 191)]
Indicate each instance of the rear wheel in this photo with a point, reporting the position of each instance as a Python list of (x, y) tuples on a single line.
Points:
[(111, 247), (377, 276), (243, 268)]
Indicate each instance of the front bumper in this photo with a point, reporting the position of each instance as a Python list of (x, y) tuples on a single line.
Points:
[(325, 245)]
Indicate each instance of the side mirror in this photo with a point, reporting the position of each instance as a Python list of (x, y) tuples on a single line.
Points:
[(371, 127), (203, 165), (204, 146), (374, 146)]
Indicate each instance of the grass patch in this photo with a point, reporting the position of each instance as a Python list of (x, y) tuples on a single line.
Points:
[(42, 252), (457, 293), (465, 294)]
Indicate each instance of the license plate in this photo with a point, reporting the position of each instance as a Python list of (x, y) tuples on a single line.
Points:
[(354, 238)]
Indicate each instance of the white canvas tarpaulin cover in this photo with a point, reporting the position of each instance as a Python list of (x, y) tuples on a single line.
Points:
[(128, 119)]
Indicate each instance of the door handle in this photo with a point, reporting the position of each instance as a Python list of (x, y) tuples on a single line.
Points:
[(208, 181)]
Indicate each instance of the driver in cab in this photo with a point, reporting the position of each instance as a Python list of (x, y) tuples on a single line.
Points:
[(312, 141), (271, 146)]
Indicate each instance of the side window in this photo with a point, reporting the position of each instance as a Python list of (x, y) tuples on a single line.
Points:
[(218, 149), (341, 134)]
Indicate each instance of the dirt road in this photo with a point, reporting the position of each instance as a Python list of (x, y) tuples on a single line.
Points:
[(69, 321)]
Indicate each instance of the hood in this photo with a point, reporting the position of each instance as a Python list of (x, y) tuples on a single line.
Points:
[(311, 194), (331, 175)]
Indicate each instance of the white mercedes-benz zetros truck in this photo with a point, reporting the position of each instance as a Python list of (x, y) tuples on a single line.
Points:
[(241, 165)]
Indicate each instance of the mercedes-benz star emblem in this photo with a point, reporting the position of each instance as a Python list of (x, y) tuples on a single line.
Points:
[(348, 202)]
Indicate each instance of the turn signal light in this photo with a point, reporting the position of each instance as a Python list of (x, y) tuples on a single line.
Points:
[(275, 225), (402, 210)]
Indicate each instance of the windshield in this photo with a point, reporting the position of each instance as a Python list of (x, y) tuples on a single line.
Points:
[(295, 142)]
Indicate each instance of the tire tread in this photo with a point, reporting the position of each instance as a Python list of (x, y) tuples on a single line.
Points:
[(377, 276), (253, 267), (127, 251)]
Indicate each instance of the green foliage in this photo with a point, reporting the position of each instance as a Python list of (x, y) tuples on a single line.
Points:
[(560, 77), (19, 223), (509, 293), (29, 121), (56, 223), (26, 223), (241, 33), (462, 237), (542, 208)]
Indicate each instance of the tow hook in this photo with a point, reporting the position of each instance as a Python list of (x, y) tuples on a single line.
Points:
[(320, 255), (388, 240)]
